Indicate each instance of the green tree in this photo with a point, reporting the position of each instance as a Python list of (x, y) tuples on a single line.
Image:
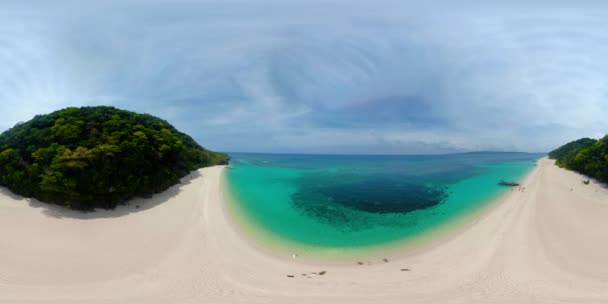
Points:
[(97, 157), (587, 156)]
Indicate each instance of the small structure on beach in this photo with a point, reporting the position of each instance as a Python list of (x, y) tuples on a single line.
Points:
[(507, 183)]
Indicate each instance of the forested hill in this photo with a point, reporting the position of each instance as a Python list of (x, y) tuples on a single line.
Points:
[(91, 157), (586, 155)]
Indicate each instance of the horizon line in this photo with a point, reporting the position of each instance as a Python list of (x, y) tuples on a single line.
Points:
[(382, 154)]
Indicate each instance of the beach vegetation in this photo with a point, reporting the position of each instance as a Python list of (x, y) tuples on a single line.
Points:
[(586, 156), (92, 157)]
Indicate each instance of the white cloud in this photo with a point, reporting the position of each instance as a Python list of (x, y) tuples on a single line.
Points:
[(274, 76)]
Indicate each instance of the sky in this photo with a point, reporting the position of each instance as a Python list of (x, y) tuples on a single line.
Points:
[(363, 77)]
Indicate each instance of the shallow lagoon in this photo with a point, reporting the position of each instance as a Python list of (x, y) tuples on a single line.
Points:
[(340, 201)]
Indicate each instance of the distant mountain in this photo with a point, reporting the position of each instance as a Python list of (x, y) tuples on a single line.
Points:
[(586, 155), (91, 157)]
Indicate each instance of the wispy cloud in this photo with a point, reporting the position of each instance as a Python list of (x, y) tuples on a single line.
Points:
[(330, 76)]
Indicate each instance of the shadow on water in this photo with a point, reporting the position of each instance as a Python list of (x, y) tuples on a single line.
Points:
[(134, 205)]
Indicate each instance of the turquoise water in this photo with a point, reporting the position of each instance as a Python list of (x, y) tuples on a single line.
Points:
[(354, 201)]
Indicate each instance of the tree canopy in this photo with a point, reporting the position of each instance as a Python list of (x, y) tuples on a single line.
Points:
[(587, 156), (91, 157)]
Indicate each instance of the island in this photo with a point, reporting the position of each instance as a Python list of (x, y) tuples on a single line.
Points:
[(97, 157)]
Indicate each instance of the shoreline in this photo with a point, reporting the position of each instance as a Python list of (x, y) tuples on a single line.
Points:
[(281, 247), (544, 245)]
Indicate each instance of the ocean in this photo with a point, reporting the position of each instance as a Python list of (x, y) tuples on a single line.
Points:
[(358, 201)]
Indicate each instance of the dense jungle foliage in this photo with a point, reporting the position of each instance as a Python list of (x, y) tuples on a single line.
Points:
[(587, 156), (91, 157)]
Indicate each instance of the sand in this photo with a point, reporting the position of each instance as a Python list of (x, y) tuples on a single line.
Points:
[(546, 244)]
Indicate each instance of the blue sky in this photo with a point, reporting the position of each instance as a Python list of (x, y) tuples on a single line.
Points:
[(319, 76)]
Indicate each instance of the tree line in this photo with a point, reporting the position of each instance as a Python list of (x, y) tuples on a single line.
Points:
[(587, 156), (91, 157)]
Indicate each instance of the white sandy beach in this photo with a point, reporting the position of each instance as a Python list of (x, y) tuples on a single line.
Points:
[(546, 244)]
